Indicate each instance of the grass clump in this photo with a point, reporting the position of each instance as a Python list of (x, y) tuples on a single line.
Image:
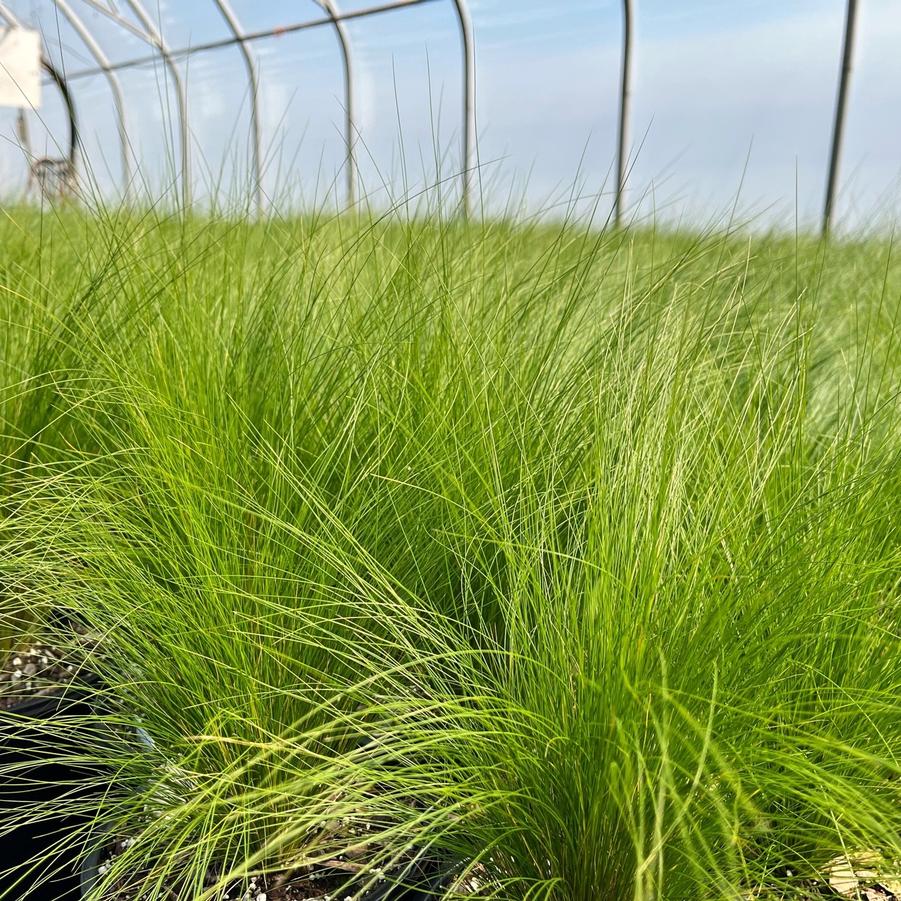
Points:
[(569, 560)]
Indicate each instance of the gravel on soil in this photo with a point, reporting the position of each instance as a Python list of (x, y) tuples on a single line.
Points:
[(34, 670)]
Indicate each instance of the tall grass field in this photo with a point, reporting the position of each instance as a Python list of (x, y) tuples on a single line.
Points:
[(564, 561)]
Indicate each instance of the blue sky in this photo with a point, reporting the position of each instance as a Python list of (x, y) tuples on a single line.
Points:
[(727, 93)]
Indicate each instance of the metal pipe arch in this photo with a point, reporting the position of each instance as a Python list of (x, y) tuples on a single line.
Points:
[(253, 78), (115, 88)]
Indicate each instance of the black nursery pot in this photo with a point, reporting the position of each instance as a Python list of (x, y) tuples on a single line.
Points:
[(34, 774), (426, 883)]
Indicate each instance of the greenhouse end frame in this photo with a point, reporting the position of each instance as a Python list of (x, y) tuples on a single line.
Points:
[(335, 18)]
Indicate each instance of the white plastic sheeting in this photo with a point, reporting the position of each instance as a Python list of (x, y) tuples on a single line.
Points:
[(20, 68)]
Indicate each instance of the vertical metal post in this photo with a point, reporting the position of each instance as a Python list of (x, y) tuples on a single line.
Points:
[(469, 101), (181, 94), (253, 79), (350, 126), (838, 126), (114, 84), (625, 100)]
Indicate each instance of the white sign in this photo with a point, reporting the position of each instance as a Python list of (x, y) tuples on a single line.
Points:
[(20, 68)]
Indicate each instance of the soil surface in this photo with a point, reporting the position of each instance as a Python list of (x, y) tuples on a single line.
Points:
[(34, 670), (818, 891), (857, 877), (327, 882)]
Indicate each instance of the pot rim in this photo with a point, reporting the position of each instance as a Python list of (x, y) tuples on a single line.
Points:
[(51, 703), (88, 872)]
